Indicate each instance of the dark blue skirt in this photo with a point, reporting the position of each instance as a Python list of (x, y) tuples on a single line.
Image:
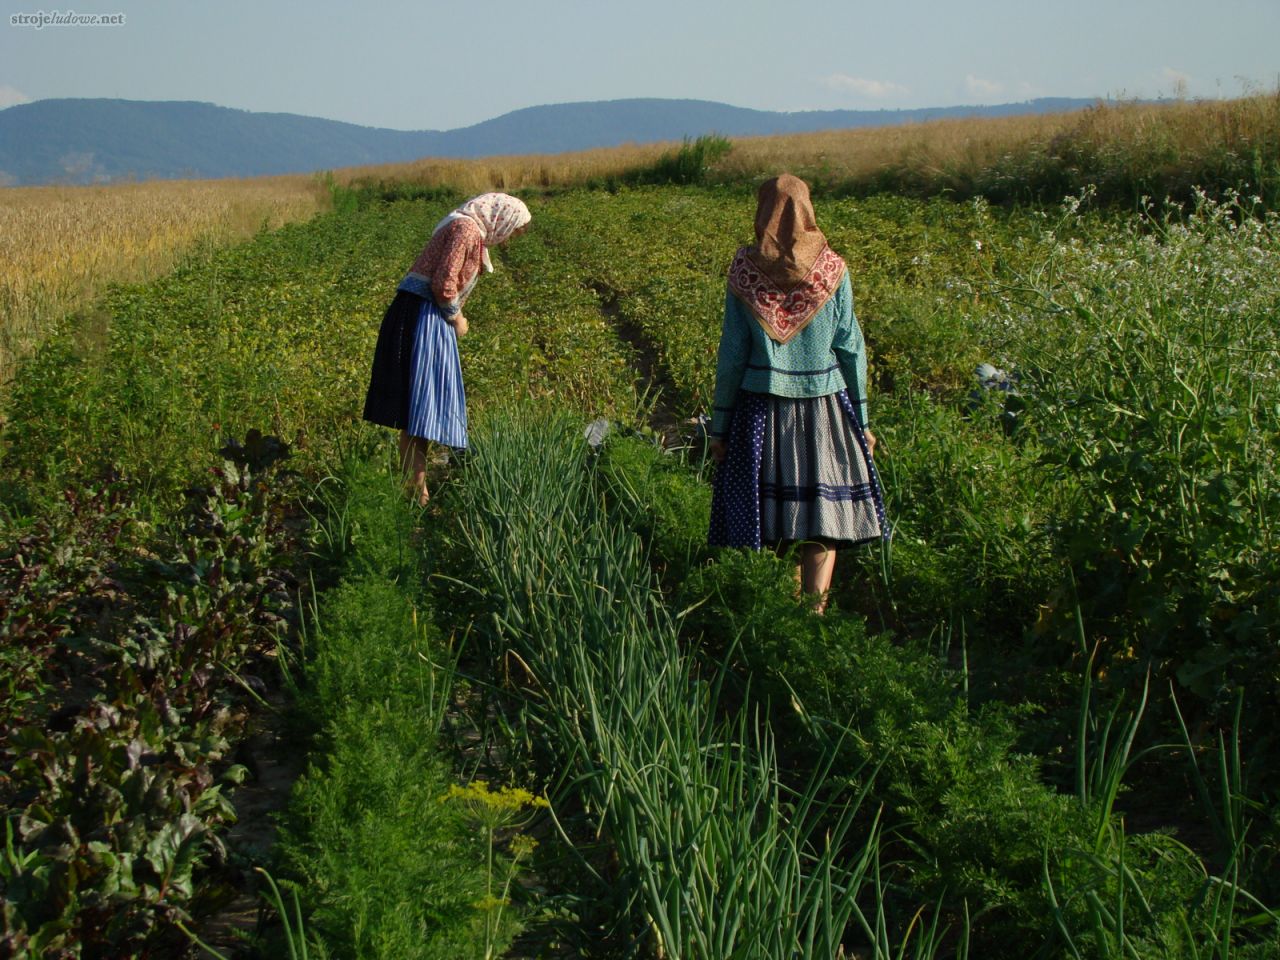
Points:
[(416, 380)]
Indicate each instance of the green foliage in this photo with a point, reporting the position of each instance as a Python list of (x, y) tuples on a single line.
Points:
[(538, 335), (970, 546), (1143, 352), (382, 866), (53, 572), (973, 825), (982, 828), (975, 814), (662, 500), (1125, 152), (1150, 359), (278, 329), (691, 163), (1151, 162), (114, 799), (717, 857), (366, 192), (658, 257)]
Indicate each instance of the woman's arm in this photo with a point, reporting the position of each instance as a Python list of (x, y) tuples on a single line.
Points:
[(851, 350), (457, 267), (731, 364)]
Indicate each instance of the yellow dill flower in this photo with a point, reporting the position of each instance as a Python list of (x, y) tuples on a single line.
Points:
[(522, 845), (505, 799)]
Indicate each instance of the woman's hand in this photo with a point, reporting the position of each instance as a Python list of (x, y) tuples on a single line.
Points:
[(460, 325), (871, 442), (718, 449)]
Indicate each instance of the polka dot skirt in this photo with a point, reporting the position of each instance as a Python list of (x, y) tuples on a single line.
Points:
[(796, 469)]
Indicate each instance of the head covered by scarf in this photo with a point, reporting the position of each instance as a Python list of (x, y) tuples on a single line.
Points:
[(790, 272), (498, 215)]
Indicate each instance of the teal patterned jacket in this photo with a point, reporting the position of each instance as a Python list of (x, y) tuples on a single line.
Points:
[(826, 356)]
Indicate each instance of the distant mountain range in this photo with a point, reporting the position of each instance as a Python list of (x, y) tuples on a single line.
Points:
[(99, 140)]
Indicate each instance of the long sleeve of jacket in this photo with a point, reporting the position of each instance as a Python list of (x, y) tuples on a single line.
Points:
[(448, 266), (731, 363), (851, 351), (456, 274)]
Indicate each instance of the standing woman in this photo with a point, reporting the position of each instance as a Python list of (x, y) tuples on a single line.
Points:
[(789, 423), (416, 383)]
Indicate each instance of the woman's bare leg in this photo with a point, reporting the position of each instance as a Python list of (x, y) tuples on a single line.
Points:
[(817, 564), (413, 463)]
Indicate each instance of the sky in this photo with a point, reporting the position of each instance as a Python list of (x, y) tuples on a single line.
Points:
[(431, 65)]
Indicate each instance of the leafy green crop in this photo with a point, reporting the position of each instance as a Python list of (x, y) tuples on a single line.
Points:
[(114, 790)]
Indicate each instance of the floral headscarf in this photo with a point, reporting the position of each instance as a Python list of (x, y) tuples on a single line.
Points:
[(790, 272), (498, 214), (788, 240)]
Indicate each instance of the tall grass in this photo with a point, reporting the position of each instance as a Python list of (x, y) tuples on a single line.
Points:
[(691, 163), (1127, 150), (510, 173)]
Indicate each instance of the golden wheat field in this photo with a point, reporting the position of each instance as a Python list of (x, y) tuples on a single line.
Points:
[(964, 147), (528, 171), (61, 244)]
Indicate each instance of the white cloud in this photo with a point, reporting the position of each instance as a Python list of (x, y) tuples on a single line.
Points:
[(978, 87), (11, 96), (868, 89)]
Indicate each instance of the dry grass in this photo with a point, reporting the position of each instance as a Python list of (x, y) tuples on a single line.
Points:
[(1125, 150), (1123, 147), (959, 147), (867, 153), (530, 171), (60, 245)]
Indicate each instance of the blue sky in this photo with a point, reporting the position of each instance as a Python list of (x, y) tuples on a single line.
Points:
[(438, 65)]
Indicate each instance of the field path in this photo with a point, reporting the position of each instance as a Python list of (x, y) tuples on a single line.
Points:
[(653, 380)]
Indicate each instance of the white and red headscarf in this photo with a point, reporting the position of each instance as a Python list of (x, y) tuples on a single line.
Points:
[(497, 214)]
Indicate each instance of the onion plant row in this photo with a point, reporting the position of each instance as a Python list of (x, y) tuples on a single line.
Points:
[(715, 857)]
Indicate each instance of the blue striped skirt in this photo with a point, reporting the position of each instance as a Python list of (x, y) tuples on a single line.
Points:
[(437, 401)]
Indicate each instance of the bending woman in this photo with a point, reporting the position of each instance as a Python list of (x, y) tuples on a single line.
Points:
[(789, 423), (416, 383)]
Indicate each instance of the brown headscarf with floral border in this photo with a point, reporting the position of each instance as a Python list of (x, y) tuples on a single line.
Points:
[(790, 272)]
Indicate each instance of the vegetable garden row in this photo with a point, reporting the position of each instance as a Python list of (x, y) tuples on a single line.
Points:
[(542, 718)]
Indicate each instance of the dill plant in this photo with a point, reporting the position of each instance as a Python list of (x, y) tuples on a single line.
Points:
[(1149, 352)]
